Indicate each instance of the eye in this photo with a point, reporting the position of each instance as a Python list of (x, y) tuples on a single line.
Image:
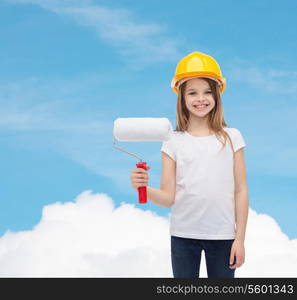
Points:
[(193, 93)]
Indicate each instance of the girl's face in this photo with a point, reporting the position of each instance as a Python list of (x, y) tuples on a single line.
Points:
[(198, 97)]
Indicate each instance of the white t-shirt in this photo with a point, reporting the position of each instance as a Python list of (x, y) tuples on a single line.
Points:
[(204, 206)]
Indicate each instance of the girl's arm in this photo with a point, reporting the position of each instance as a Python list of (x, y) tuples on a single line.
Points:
[(241, 195), (165, 195), (242, 208), (237, 255), (159, 197)]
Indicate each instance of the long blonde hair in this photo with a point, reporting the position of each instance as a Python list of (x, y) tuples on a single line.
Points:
[(215, 120)]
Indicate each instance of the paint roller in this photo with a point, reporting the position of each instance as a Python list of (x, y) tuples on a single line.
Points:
[(141, 130)]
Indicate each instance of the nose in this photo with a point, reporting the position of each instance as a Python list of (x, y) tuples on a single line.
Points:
[(200, 96)]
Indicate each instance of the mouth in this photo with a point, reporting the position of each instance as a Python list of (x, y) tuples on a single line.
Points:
[(201, 107)]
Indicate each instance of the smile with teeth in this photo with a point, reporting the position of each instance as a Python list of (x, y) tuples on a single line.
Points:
[(201, 107)]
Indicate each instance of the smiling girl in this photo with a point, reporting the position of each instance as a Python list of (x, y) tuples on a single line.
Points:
[(203, 175)]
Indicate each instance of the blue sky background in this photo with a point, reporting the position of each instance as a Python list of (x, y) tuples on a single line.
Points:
[(69, 68)]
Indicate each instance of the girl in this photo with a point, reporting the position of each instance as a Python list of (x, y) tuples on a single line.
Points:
[(203, 175)]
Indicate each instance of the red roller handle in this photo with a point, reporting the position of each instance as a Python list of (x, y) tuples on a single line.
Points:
[(142, 193)]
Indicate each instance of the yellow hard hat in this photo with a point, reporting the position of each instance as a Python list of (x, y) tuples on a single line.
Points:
[(197, 64)]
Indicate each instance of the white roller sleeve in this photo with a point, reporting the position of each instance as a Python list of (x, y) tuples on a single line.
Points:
[(142, 129)]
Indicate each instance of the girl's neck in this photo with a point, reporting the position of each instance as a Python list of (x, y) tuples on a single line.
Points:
[(199, 126)]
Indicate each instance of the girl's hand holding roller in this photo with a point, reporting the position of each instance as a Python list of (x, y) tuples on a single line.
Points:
[(139, 177)]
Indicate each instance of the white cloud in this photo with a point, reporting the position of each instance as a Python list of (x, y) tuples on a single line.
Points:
[(52, 4), (271, 80), (91, 238), (139, 42), (36, 104), (88, 238)]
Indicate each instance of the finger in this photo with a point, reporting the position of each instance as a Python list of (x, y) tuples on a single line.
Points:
[(237, 265), (141, 181), (139, 175), (139, 170), (231, 260), (240, 262), (240, 259), (144, 175)]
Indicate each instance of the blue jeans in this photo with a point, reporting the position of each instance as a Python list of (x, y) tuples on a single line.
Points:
[(186, 257)]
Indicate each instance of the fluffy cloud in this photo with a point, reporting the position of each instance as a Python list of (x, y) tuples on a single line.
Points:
[(118, 27), (91, 238)]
